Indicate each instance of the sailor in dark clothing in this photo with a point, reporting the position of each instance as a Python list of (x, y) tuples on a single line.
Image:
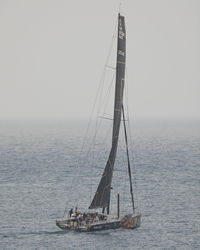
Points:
[(70, 212)]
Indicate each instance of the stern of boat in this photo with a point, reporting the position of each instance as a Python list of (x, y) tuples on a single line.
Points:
[(131, 221)]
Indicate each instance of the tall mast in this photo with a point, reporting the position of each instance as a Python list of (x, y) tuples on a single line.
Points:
[(102, 196)]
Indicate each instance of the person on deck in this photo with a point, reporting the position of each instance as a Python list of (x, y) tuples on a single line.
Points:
[(70, 212), (77, 212)]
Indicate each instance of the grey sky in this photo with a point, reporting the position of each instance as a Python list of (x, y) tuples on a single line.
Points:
[(52, 54)]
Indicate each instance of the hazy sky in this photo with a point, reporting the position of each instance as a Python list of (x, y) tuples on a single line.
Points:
[(52, 54)]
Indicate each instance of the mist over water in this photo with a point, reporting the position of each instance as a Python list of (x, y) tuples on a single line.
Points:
[(39, 176)]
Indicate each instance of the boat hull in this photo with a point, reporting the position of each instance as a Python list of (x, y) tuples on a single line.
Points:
[(127, 222)]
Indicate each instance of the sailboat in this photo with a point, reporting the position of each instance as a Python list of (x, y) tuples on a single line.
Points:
[(96, 221)]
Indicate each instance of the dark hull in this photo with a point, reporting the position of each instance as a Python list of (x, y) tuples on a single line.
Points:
[(127, 222), (103, 226)]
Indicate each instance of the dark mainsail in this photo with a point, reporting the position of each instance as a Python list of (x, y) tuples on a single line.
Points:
[(102, 196)]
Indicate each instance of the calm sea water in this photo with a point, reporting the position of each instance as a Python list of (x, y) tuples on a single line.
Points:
[(39, 177)]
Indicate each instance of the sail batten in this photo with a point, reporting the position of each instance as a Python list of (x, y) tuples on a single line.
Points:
[(102, 196)]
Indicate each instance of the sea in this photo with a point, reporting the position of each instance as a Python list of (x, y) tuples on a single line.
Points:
[(44, 171)]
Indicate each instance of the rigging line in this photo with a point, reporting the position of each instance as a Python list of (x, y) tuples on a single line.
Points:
[(131, 144), (99, 156), (104, 71), (101, 90), (106, 135), (101, 84), (125, 188), (111, 67), (92, 158), (108, 57), (129, 167), (90, 118), (98, 124), (103, 141), (106, 99), (86, 134), (99, 106), (124, 177), (106, 118), (129, 127), (106, 103), (108, 92), (130, 134)]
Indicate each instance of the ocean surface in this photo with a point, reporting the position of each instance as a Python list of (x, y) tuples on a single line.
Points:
[(43, 171)]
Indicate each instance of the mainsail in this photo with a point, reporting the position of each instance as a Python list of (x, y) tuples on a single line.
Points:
[(102, 196)]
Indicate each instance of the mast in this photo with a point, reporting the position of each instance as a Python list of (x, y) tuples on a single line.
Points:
[(102, 196)]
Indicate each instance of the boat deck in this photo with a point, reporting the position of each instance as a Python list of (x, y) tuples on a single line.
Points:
[(128, 221)]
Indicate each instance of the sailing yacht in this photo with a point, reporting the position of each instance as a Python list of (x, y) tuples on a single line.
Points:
[(96, 221)]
